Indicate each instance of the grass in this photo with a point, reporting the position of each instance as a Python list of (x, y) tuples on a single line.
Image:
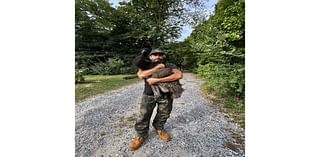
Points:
[(96, 84), (233, 106)]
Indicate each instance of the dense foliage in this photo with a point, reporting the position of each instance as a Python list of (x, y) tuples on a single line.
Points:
[(104, 32), (220, 45)]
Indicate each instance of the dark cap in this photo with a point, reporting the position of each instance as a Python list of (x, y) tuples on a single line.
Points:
[(157, 51)]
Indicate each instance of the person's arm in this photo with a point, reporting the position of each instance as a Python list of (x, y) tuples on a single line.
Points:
[(177, 75), (145, 73)]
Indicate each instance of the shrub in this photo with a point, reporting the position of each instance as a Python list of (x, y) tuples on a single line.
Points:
[(79, 74), (100, 69), (111, 67), (128, 70), (224, 79)]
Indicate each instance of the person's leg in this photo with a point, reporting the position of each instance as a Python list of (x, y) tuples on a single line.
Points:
[(146, 108), (142, 124), (163, 111)]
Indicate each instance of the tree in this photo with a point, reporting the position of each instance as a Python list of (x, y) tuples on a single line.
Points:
[(220, 43), (103, 32), (93, 25), (158, 21)]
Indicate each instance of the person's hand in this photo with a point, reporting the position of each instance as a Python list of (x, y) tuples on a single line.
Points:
[(152, 81)]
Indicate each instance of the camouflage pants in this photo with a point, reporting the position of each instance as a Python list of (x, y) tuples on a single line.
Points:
[(148, 103)]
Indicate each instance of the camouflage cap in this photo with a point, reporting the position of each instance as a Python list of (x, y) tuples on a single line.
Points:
[(157, 51)]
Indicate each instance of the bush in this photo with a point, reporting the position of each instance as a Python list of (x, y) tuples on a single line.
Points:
[(100, 69), (115, 65), (128, 70), (224, 79), (79, 74), (111, 67)]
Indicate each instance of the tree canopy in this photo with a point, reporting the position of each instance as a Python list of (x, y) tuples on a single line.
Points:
[(104, 32)]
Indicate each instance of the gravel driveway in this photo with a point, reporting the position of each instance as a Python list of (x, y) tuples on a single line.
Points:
[(105, 125)]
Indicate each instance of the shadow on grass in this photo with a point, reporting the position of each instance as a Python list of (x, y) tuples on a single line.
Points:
[(87, 82)]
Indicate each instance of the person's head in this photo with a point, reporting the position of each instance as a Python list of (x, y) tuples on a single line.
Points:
[(157, 56)]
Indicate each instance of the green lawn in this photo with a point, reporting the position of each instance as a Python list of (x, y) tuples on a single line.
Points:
[(96, 84)]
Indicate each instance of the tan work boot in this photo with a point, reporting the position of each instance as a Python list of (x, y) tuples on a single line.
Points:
[(163, 135), (136, 143)]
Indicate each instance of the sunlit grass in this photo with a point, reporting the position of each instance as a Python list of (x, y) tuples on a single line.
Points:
[(96, 84)]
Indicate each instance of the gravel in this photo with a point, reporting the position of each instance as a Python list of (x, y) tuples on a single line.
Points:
[(105, 125)]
